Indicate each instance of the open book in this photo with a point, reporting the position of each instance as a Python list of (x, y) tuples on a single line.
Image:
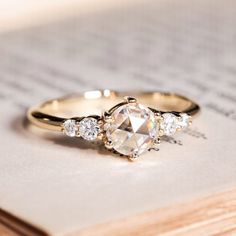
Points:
[(59, 185)]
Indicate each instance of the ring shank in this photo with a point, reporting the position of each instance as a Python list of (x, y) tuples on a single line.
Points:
[(52, 114)]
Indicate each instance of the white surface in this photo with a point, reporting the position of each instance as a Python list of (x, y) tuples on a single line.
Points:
[(63, 185), (18, 14)]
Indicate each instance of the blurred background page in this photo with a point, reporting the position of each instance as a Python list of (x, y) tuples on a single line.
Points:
[(15, 14)]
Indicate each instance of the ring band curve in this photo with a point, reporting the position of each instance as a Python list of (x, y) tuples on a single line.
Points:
[(106, 107)]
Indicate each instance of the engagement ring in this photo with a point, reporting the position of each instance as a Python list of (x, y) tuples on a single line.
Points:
[(127, 123)]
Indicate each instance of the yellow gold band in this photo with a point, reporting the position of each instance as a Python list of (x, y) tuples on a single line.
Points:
[(51, 114), (128, 125)]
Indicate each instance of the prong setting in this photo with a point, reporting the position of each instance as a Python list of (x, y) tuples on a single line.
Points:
[(108, 144), (134, 156), (157, 141), (116, 127), (129, 99), (161, 132), (107, 117), (129, 119)]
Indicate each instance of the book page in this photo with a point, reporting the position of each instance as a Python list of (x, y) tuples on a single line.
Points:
[(62, 185)]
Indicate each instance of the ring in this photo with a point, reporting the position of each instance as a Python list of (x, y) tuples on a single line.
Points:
[(128, 125)]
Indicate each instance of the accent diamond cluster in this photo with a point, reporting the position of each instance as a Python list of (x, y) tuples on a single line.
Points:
[(87, 128), (129, 128), (171, 123)]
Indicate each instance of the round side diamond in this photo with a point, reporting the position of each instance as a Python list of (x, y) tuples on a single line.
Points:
[(70, 128), (169, 124), (184, 120), (89, 128)]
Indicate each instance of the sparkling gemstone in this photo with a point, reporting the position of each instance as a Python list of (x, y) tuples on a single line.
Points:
[(169, 124), (70, 128), (89, 128), (184, 120), (132, 130)]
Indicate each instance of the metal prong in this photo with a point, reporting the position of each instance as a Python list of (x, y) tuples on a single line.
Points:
[(100, 122), (157, 114), (157, 141), (134, 156), (156, 144), (159, 118), (100, 136), (107, 116), (161, 132), (179, 129), (108, 144), (129, 99)]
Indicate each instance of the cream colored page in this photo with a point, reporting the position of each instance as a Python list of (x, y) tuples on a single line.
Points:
[(63, 185)]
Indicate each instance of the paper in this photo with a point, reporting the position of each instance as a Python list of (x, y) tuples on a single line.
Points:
[(62, 185)]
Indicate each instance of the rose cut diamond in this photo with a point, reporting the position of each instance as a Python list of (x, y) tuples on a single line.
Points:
[(132, 130), (89, 128)]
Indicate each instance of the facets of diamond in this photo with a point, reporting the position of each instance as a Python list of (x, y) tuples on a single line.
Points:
[(70, 128), (184, 120), (89, 128), (132, 130), (169, 124)]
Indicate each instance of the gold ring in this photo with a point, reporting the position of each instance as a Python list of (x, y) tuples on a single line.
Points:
[(127, 125)]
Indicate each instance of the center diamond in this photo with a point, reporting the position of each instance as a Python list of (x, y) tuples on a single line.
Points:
[(132, 130)]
